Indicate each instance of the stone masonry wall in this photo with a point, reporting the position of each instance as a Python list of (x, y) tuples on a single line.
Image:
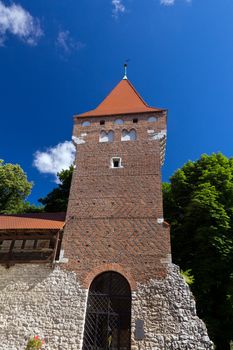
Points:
[(39, 300), (169, 313)]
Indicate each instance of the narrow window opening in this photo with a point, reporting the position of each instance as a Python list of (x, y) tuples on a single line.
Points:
[(135, 120), (106, 136), (128, 135), (102, 122), (116, 162)]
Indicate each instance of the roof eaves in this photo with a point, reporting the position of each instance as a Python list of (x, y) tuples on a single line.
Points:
[(84, 115), (28, 230)]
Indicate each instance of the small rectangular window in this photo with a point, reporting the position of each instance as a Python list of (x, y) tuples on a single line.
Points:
[(102, 122), (116, 162), (135, 120)]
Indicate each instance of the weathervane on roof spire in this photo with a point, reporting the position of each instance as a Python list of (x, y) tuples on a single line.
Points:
[(125, 68)]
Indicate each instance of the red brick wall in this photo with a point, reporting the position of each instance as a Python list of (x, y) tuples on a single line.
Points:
[(112, 213)]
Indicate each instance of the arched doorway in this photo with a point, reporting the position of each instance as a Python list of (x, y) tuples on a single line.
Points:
[(108, 315)]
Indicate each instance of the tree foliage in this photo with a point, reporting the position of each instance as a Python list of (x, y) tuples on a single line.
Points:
[(198, 204), (57, 199), (14, 188)]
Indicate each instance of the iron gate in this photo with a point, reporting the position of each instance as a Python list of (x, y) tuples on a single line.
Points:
[(108, 315)]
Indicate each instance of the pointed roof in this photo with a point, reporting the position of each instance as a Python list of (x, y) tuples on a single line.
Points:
[(123, 99)]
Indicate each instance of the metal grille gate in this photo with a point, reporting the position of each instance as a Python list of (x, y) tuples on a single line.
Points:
[(108, 316)]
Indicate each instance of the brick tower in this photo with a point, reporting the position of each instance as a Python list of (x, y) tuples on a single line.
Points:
[(115, 213), (115, 238)]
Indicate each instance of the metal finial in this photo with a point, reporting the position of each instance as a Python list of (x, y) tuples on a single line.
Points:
[(125, 68)]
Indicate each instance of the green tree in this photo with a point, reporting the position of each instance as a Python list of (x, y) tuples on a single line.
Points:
[(198, 204), (57, 199), (14, 188)]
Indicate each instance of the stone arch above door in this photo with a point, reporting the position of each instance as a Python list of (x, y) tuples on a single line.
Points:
[(109, 267)]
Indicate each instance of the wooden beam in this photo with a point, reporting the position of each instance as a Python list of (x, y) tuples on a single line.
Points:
[(11, 246), (13, 262), (25, 257), (56, 245), (27, 237)]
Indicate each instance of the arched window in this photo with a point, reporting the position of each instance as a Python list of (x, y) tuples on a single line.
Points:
[(110, 136), (124, 135), (86, 123), (103, 136), (133, 135), (108, 314), (152, 119), (106, 136), (119, 122), (128, 135)]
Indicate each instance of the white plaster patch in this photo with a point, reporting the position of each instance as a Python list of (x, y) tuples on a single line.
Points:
[(78, 140), (157, 135), (160, 220)]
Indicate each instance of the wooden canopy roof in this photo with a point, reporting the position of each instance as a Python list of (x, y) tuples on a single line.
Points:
[(35, 221)]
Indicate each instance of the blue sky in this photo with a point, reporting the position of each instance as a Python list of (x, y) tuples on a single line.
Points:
[(61, 57)]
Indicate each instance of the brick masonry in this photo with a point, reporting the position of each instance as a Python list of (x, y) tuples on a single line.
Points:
[(113, 213), (115, 222)]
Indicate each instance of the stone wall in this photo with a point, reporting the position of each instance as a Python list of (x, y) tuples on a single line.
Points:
[(169, 313), (38, 300)]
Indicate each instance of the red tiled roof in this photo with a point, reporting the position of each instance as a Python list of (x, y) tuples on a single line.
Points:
[(34, 221), (123, 99)]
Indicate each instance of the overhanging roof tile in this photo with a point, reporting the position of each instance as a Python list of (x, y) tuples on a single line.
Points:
[(34, 221)]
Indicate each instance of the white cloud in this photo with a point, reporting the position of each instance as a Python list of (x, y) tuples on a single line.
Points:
[(167, 2), (67, 43), (170, 2), (55, 159), (118, 7), (17, 21)]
